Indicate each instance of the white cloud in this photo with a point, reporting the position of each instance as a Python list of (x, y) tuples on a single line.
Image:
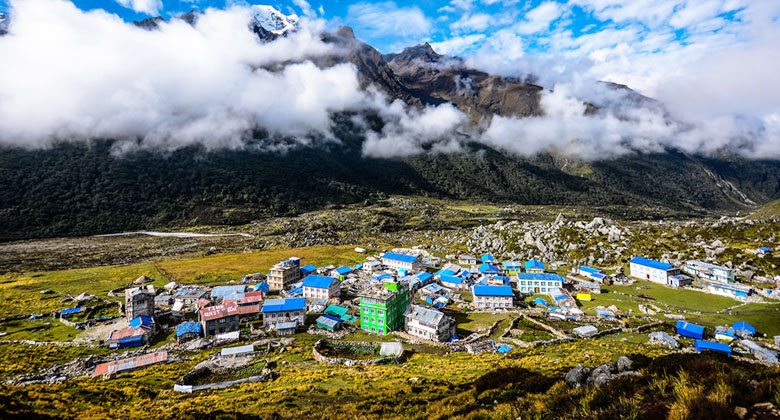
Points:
[(80, 75), (539, 18), (376, 20), (305, 7), (475, 22), (457, 45), (149, 7)]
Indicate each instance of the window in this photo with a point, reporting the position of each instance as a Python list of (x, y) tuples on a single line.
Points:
[(380, 313), (222, 320)]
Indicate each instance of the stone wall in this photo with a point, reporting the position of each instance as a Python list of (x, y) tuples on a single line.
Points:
[(349, 362)]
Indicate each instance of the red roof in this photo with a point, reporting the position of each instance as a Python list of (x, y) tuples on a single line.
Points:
[(202, 302), (248, 300), (132, 363), (219, 311), (249, 309), (129, 332)]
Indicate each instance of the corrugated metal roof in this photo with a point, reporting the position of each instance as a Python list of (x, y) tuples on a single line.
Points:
[(512, 265), (328, 321), (586, 330), (223, 291), (286, 325), (344, 269), (540, 276), (587, 269), (488, 268), (132, 363), (492, 291), (702, 345), (319, 282), (451, 279), (651, 263), (72, 310), (129, 332), (689, 330), (487, 258), (662, 336), (187, 328), (424, 276), (190, 294), (399, 257), (262, 287), (235, 351), (308, 268), (534, 264), (280, 305), (219, 311), (425, 315), (143, 320)]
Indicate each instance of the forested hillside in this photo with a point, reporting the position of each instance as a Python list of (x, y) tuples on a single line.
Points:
[(75, 189)]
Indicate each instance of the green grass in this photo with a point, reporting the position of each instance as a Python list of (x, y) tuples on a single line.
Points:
[(469, 323), (219, 268), (20, 293), (45, 329)]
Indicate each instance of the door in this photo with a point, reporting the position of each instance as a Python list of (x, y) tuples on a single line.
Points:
[(536, 290)]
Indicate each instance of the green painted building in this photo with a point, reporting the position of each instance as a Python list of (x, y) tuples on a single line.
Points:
[(382, 307)]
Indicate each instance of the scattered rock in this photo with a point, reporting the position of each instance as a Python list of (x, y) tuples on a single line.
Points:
[(577, 376)]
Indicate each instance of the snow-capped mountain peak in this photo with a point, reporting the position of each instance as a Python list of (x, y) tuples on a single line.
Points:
[(272, 20)]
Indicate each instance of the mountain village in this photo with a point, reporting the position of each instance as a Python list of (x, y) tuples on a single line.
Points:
[(407, 296)]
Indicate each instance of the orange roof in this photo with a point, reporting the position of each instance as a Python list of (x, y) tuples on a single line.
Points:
[(132, 363), (219, 311), (248, 300), (129, 332), (249, 309)]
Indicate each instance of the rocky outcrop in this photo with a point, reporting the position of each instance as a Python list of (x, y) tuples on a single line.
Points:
[(582, 376)]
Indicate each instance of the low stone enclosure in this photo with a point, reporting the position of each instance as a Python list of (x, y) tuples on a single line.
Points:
[(357, 347), (189, 382)]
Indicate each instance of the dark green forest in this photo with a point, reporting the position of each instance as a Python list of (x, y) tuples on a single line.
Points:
[(79, 189)]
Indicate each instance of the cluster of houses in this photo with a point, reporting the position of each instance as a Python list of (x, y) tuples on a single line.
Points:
[(740, 332), (385, 294), (714, 279)]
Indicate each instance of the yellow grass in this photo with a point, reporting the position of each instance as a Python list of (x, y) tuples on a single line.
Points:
[(218, 268)]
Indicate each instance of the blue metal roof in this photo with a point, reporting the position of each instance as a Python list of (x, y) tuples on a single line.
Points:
[(344, 270), (399, 257), (651, 263), (319, 282), (145, 321), (187, 328), (711, 345), (424, 276), (280, 305), (488, 268), (130, 341), (492, 291), (382, 277), (540, 301), (451, 279), (512, 264), (742, 325), (765, 249), (540, 276), (587, 269), (306, 269), (72, 310), (504, 349), (690, 330), (222, 291), (444, 272), (295, 292), (263, 287), (534, 264), (486, 258)]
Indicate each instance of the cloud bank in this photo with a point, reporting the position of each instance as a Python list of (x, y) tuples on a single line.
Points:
[(75, 75)]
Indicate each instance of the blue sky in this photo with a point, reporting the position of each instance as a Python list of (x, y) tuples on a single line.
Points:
[(644, 44)]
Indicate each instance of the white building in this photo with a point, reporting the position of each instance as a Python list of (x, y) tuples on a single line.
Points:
[(709, 271), (397, 262), (429, 324), (534, 283), (321, 287), (731, 290), (492, 297), (655, 271)]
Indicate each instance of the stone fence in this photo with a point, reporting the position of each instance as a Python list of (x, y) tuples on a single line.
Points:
[(322, 343)]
